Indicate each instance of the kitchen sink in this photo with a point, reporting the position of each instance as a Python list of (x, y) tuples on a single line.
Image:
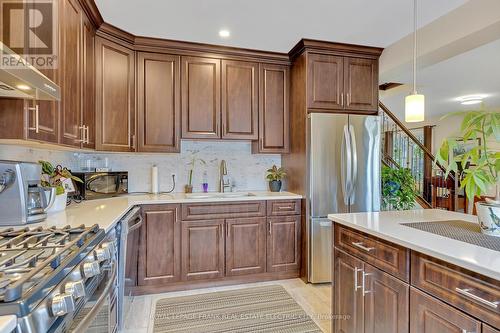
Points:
[(219, 195)]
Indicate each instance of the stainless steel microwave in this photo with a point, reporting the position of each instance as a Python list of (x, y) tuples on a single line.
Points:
[(98, 185)]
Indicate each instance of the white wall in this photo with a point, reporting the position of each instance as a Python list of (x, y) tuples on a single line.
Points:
[(245, 169)]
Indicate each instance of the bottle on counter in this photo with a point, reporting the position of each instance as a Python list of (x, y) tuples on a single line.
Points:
[(204, 185)]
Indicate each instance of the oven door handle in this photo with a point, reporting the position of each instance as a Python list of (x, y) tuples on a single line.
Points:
[(138, 223), (84, 324)]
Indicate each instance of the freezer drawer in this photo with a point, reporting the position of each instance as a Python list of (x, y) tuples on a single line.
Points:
[(321, 251)]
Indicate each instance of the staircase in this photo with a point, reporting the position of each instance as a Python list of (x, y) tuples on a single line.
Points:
[(404, 148)]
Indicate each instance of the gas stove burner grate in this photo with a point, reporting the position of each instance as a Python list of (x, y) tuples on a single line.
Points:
[(30, 256)]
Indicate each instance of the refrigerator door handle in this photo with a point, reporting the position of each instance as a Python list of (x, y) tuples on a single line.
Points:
[(354, 165), (346, 165)]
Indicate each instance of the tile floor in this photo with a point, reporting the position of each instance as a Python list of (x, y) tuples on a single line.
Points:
[(314, 299)]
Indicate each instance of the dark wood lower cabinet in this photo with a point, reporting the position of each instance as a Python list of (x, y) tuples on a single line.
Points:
[(202, 249), (245, 246), (488, 329), (283, 244), (429, 315), (347, 300), (386, 302), (159, 249)]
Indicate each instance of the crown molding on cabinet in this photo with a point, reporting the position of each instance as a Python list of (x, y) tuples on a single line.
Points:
[(342, 49)]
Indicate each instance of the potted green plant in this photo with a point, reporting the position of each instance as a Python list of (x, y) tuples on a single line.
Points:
[(480, 164), (275, 175), (61, 179), (398, 189), (188, 188)]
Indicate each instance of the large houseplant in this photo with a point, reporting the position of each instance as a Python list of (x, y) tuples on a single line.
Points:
[(480, 164), (398, 189)]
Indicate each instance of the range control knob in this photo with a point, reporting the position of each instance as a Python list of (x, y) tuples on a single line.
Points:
[(62, 304), (102, 254), (76, 289), (110, 246), (90, 269)]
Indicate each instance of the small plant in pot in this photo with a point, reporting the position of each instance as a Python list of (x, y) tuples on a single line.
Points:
[(275, 175), (61, 179), (188, 188), (483, 171)]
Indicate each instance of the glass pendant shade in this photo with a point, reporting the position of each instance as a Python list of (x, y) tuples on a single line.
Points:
[(414, 108)]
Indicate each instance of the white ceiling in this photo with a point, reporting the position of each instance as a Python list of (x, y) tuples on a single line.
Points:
[(470, 73), (273, 25)]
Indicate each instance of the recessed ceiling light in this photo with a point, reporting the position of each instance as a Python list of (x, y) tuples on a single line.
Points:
[(23, 87), (471, 99), (224, 33)]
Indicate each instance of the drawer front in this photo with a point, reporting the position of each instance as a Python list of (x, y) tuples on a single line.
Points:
[(389, 257), (476, 295), (204, 211), (283, 207)]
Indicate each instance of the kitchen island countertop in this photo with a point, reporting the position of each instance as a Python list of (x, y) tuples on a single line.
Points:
[(388, 226), (107, 212)]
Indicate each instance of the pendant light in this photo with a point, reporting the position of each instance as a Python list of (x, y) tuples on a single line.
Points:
[(415, 102)]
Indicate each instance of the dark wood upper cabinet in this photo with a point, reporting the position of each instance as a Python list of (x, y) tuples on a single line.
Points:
[(348, 296), (273, 110), (71, 101), (341, 83), (361, 84), (326, 79), (240, 95), (202, 249), (158, 102), (245, 246), (115, 96), (386, 302), (283, 243), (201, 107), (429, 315), (88, 82), (160, 247)]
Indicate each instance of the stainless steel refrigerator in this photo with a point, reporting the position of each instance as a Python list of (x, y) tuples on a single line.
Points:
[(343, 153)]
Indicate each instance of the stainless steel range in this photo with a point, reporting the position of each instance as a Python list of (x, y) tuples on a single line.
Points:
[(59, 280)]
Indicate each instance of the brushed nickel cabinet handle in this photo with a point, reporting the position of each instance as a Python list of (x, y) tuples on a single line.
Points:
[(356, 271), (342, 99), (285, 207), (270, 228), (87, 136), (360, 245), (82, 134), (363, 283), (36, 118), (348, 99), (467, 293)]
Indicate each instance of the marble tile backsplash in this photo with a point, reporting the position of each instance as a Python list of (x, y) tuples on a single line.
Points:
[(246, 170)]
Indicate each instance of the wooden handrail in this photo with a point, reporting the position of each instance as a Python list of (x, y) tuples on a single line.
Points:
[(413, 137)]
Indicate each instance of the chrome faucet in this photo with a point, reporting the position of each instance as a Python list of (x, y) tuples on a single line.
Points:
[(223, 183)]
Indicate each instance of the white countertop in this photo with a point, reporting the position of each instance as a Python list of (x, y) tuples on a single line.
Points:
[(7, 323), (106, 212), (387, 225)]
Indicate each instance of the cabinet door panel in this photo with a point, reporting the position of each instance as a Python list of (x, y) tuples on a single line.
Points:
[(71, 121), (200, 98), (202, 249), (158, 102), (283, 244), (488, 329), (88, 101), (361, 84), (240, 100), (245, 246), (386, 304), (429, 315), (159, 252), (325, 81), (273, 110), (348, 296), (114, 96)]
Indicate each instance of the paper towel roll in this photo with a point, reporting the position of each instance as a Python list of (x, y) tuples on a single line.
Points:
[(154, 179)]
